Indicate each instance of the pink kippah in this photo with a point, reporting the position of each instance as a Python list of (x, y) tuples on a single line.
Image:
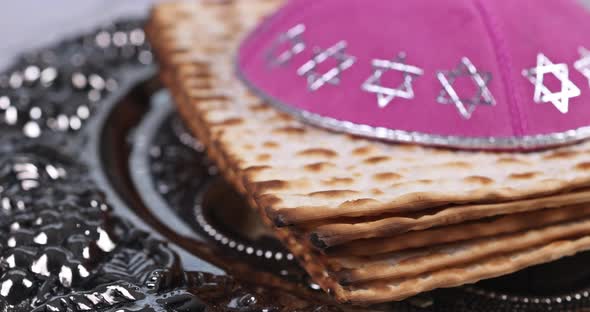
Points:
[(499, 74)]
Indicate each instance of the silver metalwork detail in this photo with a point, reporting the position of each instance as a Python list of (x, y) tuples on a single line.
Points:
[(238, 245), (448, 95), (316, 80), (583, 64), (385, 94), (542, 94), (292, 36)]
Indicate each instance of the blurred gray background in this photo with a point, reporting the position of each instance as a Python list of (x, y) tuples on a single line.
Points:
[(27, 24)]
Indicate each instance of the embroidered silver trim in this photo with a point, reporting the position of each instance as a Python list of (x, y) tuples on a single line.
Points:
[(292, 36), (385, 94), (316, 80), (583, 64), (448, 95), (542, 94)]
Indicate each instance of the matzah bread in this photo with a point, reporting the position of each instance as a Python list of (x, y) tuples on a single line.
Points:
[(409, 264), (329, 235), (460, 232), (195, 44), (490, 267), (299, 173), (495, 265)]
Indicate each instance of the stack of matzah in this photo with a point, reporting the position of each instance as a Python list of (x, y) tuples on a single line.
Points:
[(369, 221)]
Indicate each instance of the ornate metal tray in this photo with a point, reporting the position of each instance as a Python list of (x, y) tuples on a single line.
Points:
[(108, 204)]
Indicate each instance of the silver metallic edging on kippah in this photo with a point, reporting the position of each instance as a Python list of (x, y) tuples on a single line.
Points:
[(413, 137)]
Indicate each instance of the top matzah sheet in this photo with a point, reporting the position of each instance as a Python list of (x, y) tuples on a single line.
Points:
[(313, 174)]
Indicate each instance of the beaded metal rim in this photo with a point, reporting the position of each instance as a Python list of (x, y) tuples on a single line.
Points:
[(570, 297), (185, 137), (414, 137), (235, 244)]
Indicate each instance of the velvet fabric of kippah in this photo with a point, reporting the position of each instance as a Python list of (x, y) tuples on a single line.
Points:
[(499, 74)]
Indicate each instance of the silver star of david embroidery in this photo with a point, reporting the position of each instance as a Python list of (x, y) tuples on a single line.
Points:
[(316, 80), (384, 94), (542, 94), (292, 36), (583, 64), (448, 95)]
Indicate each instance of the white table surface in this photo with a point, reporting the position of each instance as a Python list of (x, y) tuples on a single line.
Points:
[(26, 24)]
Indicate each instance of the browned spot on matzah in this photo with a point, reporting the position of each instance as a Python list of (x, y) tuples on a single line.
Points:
[(332, 193), (248, 147), (271, 144), (440, 151), (230, 122), (361, 151), (561, 155), (259, 107), (255, 169), (338, 181), (202, 76), (416, 182), (263, 157), (319, 166), (277, 118), (407, 147), (386, 176), (262, 187), (479, 180), (207, 96), (376, 191), (499, 261), (583, 166), (358, 202), (354, 138), (375, 160), (524, 175), (284, 116), (457, 164), (323, 152), (510, 160), (289, 130), (199, 83), (196, 69)]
